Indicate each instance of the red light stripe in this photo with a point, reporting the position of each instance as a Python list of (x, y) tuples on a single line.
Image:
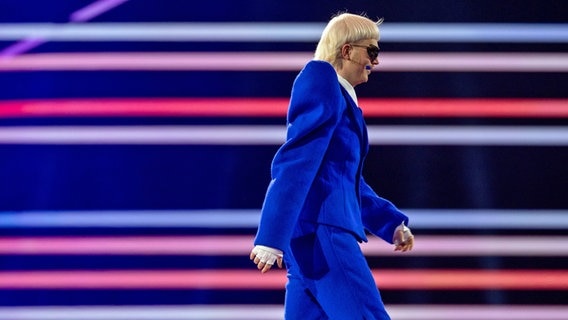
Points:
[(472, 279), (492, 108), (147, 107), (276, 107), (252, 279)]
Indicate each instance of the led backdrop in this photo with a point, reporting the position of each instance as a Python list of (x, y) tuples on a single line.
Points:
[(136, 138)]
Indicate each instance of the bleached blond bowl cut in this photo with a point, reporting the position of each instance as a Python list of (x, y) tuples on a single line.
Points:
[(342, 29)]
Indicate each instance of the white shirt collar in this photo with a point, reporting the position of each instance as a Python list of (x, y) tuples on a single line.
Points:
[(347, 86)]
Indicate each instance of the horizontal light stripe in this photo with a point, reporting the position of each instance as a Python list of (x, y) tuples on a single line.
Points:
[(456, 245), (276, 312), (414, 279), (160, 61), (555, 246), (285, 32), (488, 219), (267, 312), (472, 312), (282, 61), (419, 218), (468, 135), (168, 32), (277, 107), (275, 135)]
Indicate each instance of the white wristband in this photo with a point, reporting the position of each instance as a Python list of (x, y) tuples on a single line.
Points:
[(406, 233), (266, 254)]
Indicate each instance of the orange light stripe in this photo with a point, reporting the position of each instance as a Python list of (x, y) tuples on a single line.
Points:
[(274, 280), (197, 107), (166, 279), (472, 279), (276, 107)]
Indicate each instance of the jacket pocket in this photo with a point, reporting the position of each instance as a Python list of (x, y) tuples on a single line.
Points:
[(309, 256)]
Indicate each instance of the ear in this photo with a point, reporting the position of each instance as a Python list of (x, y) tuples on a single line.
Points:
[(345, 51)]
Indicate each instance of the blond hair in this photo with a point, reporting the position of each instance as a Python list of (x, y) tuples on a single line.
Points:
[(341, 29)]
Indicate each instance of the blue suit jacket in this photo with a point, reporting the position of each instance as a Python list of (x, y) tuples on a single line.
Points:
[(316, 173)]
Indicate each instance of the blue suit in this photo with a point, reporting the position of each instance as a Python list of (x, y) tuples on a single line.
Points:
[(318, 206)]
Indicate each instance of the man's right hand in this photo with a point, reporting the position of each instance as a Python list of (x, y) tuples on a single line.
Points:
[(264, 257)]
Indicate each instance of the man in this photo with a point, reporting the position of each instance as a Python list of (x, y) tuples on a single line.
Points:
[(318, 206)]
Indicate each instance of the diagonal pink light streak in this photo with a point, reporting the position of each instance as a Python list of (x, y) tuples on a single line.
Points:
[(87, 13), (21, 46), (94, 9)]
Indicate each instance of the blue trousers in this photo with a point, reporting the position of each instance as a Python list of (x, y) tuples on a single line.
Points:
[(329, 278)]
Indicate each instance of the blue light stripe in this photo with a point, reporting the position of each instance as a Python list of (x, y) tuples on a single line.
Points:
[(475, 32), (285, 32)]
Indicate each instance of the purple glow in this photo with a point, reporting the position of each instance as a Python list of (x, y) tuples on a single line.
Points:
[(94, 9), (21, 47), (87, 13)]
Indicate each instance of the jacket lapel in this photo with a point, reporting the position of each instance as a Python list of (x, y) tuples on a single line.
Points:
[(359, 120)]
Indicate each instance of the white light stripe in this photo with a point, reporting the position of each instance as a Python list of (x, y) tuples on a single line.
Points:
[(209, 135), (420, 218), (474, 62), (519, 246), (275, 135), (202, 32), (274, 312), (488, 219), (285, 32), (283, 61), (474, 32), (468, 135), (473, 312)]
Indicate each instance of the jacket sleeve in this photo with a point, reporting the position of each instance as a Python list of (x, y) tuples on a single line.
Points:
[(379, 215), (313, 115)]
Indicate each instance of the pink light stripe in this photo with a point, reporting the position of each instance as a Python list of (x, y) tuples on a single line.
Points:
[(277, 107), (252, 279), (285, 61), (556, 246), (195, 245), (213, 61), (476, 62)]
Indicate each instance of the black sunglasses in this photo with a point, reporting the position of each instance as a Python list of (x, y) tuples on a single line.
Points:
[(372, 50)]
